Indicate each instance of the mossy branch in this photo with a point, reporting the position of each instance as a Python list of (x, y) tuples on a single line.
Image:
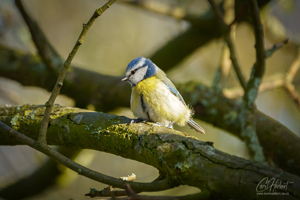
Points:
[(108, 92), (184, 159), (247, 115), (34, 113)]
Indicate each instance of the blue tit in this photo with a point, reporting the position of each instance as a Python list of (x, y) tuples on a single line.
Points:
[(155, 98)]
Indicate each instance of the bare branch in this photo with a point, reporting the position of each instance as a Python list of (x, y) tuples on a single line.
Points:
[(106, 192), (293, 93), (219, 72), (234, 93), (45, 49), (133, 196), (290, 75), (276, 46), (289, 79), (63, 71), (247, 115), (285, 82), (129, 191), (161, 8), (249, 137), (226, 33)]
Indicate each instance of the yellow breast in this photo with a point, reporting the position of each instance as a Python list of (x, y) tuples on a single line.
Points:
[(144, 88), (163, 106), (147, 86)]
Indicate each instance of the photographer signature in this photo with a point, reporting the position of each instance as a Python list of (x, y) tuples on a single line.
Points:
[(271, 185)]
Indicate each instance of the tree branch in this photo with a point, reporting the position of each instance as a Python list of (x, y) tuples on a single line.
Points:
[(45, 49), (275, 47), (44, 177), (279, 143), (106, 192), (202, 31), (63, 71), (108, 92), (30, 71), (161, 8), (290, 75), (133, 196), (218, 74), (247, 115), (184, 159), (204, 195), (157, 186), (225, 29), (234, 93)]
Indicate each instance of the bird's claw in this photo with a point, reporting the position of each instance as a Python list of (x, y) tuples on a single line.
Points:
[(171, 125), (136, 120), (158, 124)]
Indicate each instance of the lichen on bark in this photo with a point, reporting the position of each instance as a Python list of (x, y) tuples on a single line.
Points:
[(181, 158)]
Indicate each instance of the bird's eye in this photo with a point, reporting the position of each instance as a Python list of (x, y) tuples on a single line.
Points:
[(132, 72)]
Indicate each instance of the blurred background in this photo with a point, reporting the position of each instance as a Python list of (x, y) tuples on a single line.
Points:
[(128, 30)]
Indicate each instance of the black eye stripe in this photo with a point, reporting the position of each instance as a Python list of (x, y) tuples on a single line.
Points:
[(133, 71)]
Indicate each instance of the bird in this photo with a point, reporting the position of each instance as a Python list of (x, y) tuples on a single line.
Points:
[(154, 97)]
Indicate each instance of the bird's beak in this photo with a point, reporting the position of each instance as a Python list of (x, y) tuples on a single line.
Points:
[(124, 79)]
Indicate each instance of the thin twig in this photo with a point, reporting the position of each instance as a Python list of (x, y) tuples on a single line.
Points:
[(233, 93), (247, 123), (226, 33), (293, 93), (115, 182), (205, 195), (219, 72), (161, 8), (236, 92), (259, 66), (110, 192), (45, 49), (276, 46), (240, 14), (129, 191), (63, 71), (290, 75), (106, 192), (247, 117)]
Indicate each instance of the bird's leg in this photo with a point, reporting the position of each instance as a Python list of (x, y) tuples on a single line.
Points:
[(159, 124), (171, 125), (137, 120)]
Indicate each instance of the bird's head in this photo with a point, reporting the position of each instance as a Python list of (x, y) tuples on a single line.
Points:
[(139, 69)]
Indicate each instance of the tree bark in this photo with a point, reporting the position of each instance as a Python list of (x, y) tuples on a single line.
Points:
[(183, 158)]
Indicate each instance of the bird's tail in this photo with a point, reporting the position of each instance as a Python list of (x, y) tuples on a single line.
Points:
[(196, 126)]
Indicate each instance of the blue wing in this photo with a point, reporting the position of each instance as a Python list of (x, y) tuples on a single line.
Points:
[(163, 77), (175, 91)]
